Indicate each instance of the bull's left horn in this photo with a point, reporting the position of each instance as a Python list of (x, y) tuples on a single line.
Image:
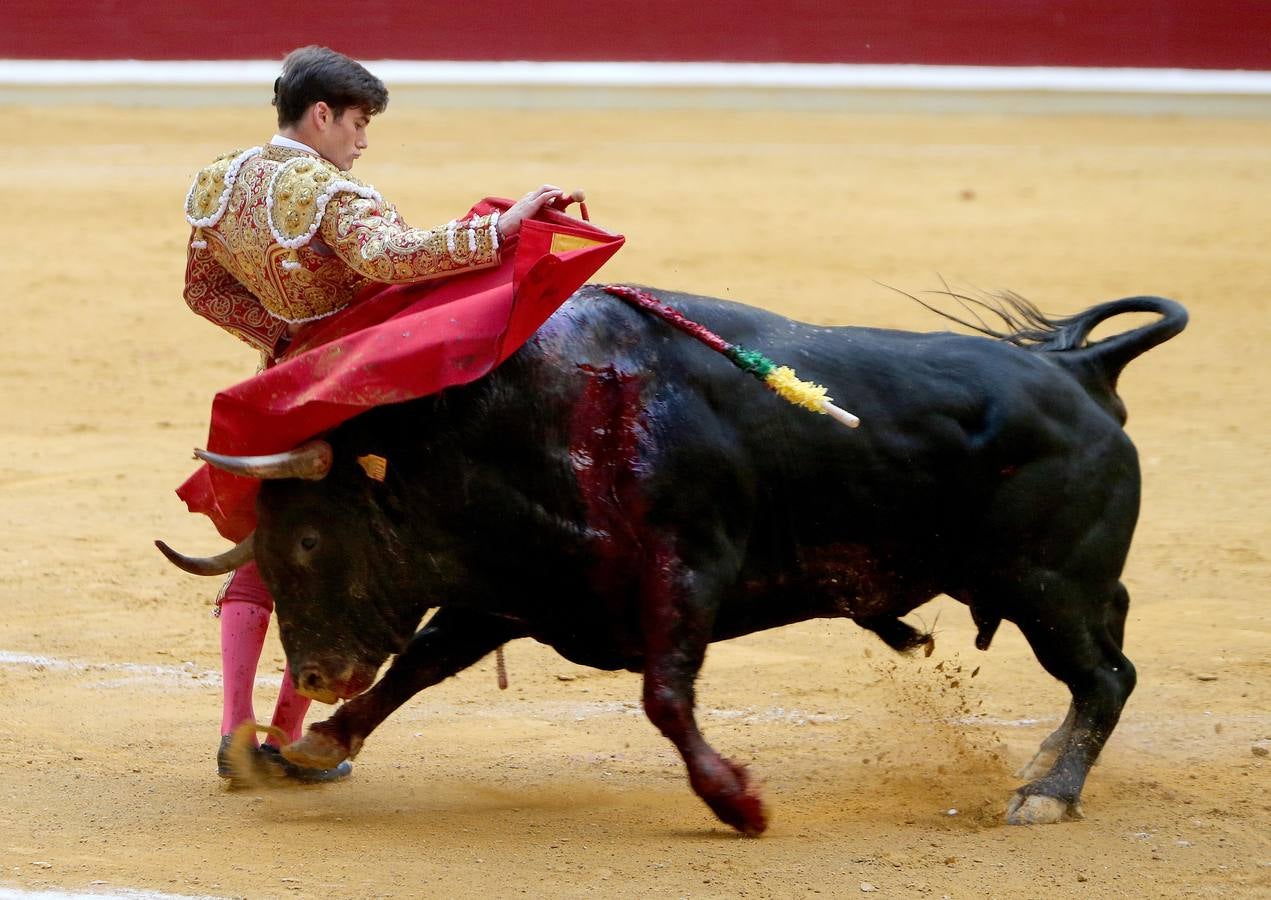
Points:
[(228, 561), (310, 461)]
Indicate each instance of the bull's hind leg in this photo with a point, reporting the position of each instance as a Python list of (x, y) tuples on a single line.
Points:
[(1077, 638), (678, 614), (1050, 748)]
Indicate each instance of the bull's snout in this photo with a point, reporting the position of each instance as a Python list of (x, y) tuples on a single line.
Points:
[(311, 684), (329, 684)]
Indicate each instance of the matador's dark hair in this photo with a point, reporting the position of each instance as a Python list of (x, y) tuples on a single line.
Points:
[(316, 73)]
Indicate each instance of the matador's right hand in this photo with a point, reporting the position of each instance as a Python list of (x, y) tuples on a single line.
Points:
[(531, 203)]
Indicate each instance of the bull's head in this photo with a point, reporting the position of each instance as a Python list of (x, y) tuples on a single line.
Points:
[(328, 549)]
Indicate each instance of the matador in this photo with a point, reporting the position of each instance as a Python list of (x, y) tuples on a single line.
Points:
[(283, 238)]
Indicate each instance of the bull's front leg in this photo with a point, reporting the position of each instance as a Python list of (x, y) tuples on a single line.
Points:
[(450, 642), (678, 614)]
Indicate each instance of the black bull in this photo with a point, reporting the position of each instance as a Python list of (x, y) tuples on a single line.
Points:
[(623, 494)]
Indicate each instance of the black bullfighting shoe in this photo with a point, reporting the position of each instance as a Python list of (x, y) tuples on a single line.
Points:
[(268, 762), (304, 773)]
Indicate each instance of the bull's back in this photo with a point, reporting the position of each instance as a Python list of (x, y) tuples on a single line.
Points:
[(941, 413)]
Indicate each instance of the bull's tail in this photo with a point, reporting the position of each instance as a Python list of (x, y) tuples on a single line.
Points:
[(1097, 365), (1113, 354)]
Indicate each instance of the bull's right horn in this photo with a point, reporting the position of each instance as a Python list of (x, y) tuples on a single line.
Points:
[(310, 461), (228, 561)]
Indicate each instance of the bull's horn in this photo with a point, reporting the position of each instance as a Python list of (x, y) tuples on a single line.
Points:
[(310, 461), (211, 565)]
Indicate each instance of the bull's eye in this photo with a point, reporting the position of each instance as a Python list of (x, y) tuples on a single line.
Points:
[(306, 545)]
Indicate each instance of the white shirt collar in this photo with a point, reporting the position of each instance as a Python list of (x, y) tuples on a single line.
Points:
[(279, 141)]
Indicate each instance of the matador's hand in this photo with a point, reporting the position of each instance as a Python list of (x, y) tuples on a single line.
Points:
[(531, 203)]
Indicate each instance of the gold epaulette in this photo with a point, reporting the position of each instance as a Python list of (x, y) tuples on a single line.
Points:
[(298, 195), (208, 196)]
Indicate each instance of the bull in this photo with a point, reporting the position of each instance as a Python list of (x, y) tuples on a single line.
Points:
[(618, 493)]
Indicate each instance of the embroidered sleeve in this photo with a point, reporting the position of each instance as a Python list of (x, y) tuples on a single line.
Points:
[(372, 239), (216, 295)]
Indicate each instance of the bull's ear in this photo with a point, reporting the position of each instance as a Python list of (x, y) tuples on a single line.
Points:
[(375, 467), (310, 461)]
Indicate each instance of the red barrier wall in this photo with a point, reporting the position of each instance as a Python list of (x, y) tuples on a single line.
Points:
[(1213, 34)]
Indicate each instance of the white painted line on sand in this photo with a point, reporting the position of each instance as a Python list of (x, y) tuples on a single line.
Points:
[(7, 893), (658, 75), (185, 675)]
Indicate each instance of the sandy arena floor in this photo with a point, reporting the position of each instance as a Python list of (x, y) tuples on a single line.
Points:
[(109, 691)]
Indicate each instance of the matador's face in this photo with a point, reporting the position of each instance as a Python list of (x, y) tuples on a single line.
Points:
[(342, 138)]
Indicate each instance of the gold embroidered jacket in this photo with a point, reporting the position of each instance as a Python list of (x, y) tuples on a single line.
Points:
[(284, 237)]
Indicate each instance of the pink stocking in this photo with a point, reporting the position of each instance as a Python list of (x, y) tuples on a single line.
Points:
[(245, 609), (243, 627), (289, 713)]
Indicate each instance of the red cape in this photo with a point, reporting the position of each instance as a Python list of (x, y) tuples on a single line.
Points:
[(396, 343)]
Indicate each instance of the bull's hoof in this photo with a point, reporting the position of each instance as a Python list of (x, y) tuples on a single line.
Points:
[(735, 804), (316, 750), (748, 816), (1036, 809)]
